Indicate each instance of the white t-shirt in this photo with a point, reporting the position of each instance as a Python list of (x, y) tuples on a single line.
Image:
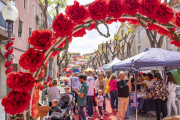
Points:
[(100, 99), (91, 82), (53, 93), (149, 83)]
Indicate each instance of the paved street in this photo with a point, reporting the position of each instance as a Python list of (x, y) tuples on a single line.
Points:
[(2, 113)]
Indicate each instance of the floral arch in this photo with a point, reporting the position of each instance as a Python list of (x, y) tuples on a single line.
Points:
[(46, 44)]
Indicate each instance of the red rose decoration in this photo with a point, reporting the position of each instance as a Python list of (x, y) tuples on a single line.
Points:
[(41, 40), (16, 102), (152, 27), (177, 16), (63, 26), (31, 60), (20, 81), (130, 6), (54, 54), (78, 13), (7, 64), (164, 14), (116, 8), (98, 10), (148, 7), (79, 33)]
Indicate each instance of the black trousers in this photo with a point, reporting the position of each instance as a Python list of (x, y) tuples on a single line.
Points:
[(50, 104), (160, 107), (100, 110), (76, 99)]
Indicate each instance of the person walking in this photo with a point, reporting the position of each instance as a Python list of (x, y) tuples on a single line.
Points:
[(75, 83), (171, 87), (53, 93), (123, 87), (160, 94), (90, 94), (113, 92), (100, 100), (100, 84), (82, 96), (107, 92)]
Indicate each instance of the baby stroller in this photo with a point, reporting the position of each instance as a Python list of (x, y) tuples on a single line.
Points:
[(66, 103)]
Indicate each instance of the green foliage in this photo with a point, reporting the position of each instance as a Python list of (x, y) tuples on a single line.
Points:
[(130, 30), (52, 5)]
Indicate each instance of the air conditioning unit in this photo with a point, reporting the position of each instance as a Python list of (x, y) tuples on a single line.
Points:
[(13, 56)]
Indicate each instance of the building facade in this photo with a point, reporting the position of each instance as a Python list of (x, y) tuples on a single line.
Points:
[(30, 18), (142, 41)]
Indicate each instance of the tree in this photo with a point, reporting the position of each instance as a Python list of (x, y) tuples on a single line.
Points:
[(53, 11), (152, 36)]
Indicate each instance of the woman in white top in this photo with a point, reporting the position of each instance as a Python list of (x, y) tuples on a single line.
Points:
[(53, 93), (149, 82), (171, 87), (100, 84)]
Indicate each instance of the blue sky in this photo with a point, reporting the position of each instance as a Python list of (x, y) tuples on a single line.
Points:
[(92, 39)]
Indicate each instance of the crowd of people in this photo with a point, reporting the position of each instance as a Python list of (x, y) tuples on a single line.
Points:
[(90, 92)]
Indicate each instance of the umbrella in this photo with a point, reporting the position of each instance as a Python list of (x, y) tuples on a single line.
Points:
[(89, 69)]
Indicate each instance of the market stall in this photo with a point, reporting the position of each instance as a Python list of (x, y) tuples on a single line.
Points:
[(151, 59), (114, 61), (109, 66)]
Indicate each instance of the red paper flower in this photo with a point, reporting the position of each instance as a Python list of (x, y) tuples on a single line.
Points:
[(16, 102), (79, 33), (20, 81), (163, 31), (45, 83), (39, 85), (177, 16), (7, 64), (148, 7), (130, 6), (78, 13), (54, 54), (98, 10), (63, 26), (9, 70), (41, 40), (152, 27), (50, 84), (116, 8), (31, 60), (41, 75), (164, 14)]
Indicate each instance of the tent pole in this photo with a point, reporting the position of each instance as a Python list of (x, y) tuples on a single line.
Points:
[(136, 76)]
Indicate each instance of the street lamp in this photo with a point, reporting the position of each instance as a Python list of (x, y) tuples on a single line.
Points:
[(10, 14)]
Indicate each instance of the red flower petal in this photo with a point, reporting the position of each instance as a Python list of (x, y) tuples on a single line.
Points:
[(63, 26), (98, 10), (79, 33), (116, 8), (130, 6), (78, 13)]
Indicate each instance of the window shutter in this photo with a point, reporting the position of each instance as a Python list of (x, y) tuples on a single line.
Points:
[(20, 26)]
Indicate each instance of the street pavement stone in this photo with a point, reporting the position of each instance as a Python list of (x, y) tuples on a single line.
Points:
[(2, 113)]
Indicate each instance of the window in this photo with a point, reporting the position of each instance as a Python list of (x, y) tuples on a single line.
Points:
[(139, 38), (3, 23), (41, 21), (26, 5), (33, 10), (20, 29), (30, 31), (139, 49)]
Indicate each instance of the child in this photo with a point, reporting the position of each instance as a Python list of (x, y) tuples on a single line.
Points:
[(54, 108), (67, 92), (100, 100)]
